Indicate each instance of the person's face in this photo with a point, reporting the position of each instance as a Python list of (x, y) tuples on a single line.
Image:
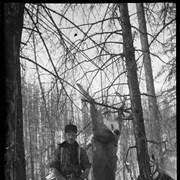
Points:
[(70, 137)]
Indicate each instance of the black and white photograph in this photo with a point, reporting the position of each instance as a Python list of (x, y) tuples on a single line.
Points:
[(89, 91)]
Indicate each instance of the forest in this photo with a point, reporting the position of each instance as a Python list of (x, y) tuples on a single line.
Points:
[(121, 54)]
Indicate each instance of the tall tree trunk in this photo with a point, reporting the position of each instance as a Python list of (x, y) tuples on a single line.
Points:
[(31, 149), (155, 132), (15, 167), (138, 122)]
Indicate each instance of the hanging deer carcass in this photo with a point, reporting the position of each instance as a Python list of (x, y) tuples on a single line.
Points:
[(106, 134)]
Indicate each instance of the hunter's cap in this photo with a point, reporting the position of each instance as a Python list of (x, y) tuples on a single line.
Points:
[(70, 128)]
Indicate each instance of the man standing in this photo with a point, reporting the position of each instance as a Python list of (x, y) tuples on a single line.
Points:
[(70, 161)]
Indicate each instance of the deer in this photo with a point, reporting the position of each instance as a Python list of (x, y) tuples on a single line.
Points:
[(106, 133)]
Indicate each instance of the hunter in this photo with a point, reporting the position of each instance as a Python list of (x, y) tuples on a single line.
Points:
[(70, 161)]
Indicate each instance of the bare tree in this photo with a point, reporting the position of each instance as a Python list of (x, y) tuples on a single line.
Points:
[(139, 129), (14, 156), (155, 133)]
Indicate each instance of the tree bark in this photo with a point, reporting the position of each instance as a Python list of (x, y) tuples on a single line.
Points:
[(138, 122), (155, 132), (31, 151), (15, 167)]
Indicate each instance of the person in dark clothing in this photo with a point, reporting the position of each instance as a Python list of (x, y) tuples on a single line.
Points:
[(70, 161)]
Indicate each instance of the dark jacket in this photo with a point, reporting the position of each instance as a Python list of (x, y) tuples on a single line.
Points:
[(67, 162)]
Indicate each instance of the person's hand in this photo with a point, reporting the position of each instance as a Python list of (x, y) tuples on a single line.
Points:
[(84, 174), (58, 175)]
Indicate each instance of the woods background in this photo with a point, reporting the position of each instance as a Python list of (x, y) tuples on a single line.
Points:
[(66, 44)]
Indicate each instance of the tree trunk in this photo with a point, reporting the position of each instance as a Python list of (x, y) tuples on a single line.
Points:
[(15, 167), (31, 152), (155, 132), (138, 122)]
